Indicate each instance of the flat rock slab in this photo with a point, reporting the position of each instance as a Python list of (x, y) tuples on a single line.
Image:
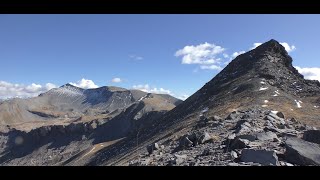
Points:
[(264, 157), (302, 152)]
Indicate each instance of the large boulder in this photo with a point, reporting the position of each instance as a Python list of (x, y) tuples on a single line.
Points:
[(312, 136), (264, 157), (302, 152)]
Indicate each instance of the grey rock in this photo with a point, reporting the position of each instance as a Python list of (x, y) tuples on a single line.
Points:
[(152, 147), (264, 136), (302, 152), (217, 118), (146, 161), (312, 136), (234, 154), (248, 137), (233, 115), (233, 164), (179, 159), (280, 114), (205, 138), (185, 142), (207, 152), (264, 157), (239, 143)]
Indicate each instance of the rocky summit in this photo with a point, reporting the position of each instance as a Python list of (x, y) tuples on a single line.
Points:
[(258, 111)]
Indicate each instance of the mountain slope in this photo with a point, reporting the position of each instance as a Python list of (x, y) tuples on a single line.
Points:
[(262, 79)]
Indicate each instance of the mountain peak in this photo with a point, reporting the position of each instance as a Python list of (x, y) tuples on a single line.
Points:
[(68, 85), (271, 46)]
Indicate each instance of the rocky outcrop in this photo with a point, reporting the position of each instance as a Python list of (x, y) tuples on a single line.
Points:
[(256, 146), (302, 152)]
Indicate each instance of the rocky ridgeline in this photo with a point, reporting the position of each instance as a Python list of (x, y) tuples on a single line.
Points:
[(20, 141), (253, 137)]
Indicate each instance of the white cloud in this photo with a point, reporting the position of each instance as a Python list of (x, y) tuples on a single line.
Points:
[(135, 57), (309, 73), (10, 90), (211, 67), (255, 45), (183, 97), (116, 80), (284, 44), (147, 88), (288, 47), (235, 54), (85, 84), (50, 86), (203, 54), (225, 55)]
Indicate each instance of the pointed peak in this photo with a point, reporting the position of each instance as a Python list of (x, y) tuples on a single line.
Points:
[(271, 46), (68, 85)]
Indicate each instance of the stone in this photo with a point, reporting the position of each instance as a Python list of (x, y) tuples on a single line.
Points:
[(185, 142), (233, 115), (179, 159), (217, 118), (205, 138), (152, 147), (146, 161), (234, 155), (280, 114), (312, 136), (243, 129), (264, 136), (239, 143), (233, 164), (264, 157), (302, 152), (207, 152), (194, 137), (248, 137)]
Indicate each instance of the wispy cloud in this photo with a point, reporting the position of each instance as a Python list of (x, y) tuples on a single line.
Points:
[(211, 67), (135, 57), (147, 88), (312, 73), (85, 84), (116, 80), (183, 97), (10, 90)]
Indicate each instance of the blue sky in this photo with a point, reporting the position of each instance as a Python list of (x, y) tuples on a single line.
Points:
[(140, 50)]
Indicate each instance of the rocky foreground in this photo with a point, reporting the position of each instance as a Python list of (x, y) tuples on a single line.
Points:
[(244, 138)]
